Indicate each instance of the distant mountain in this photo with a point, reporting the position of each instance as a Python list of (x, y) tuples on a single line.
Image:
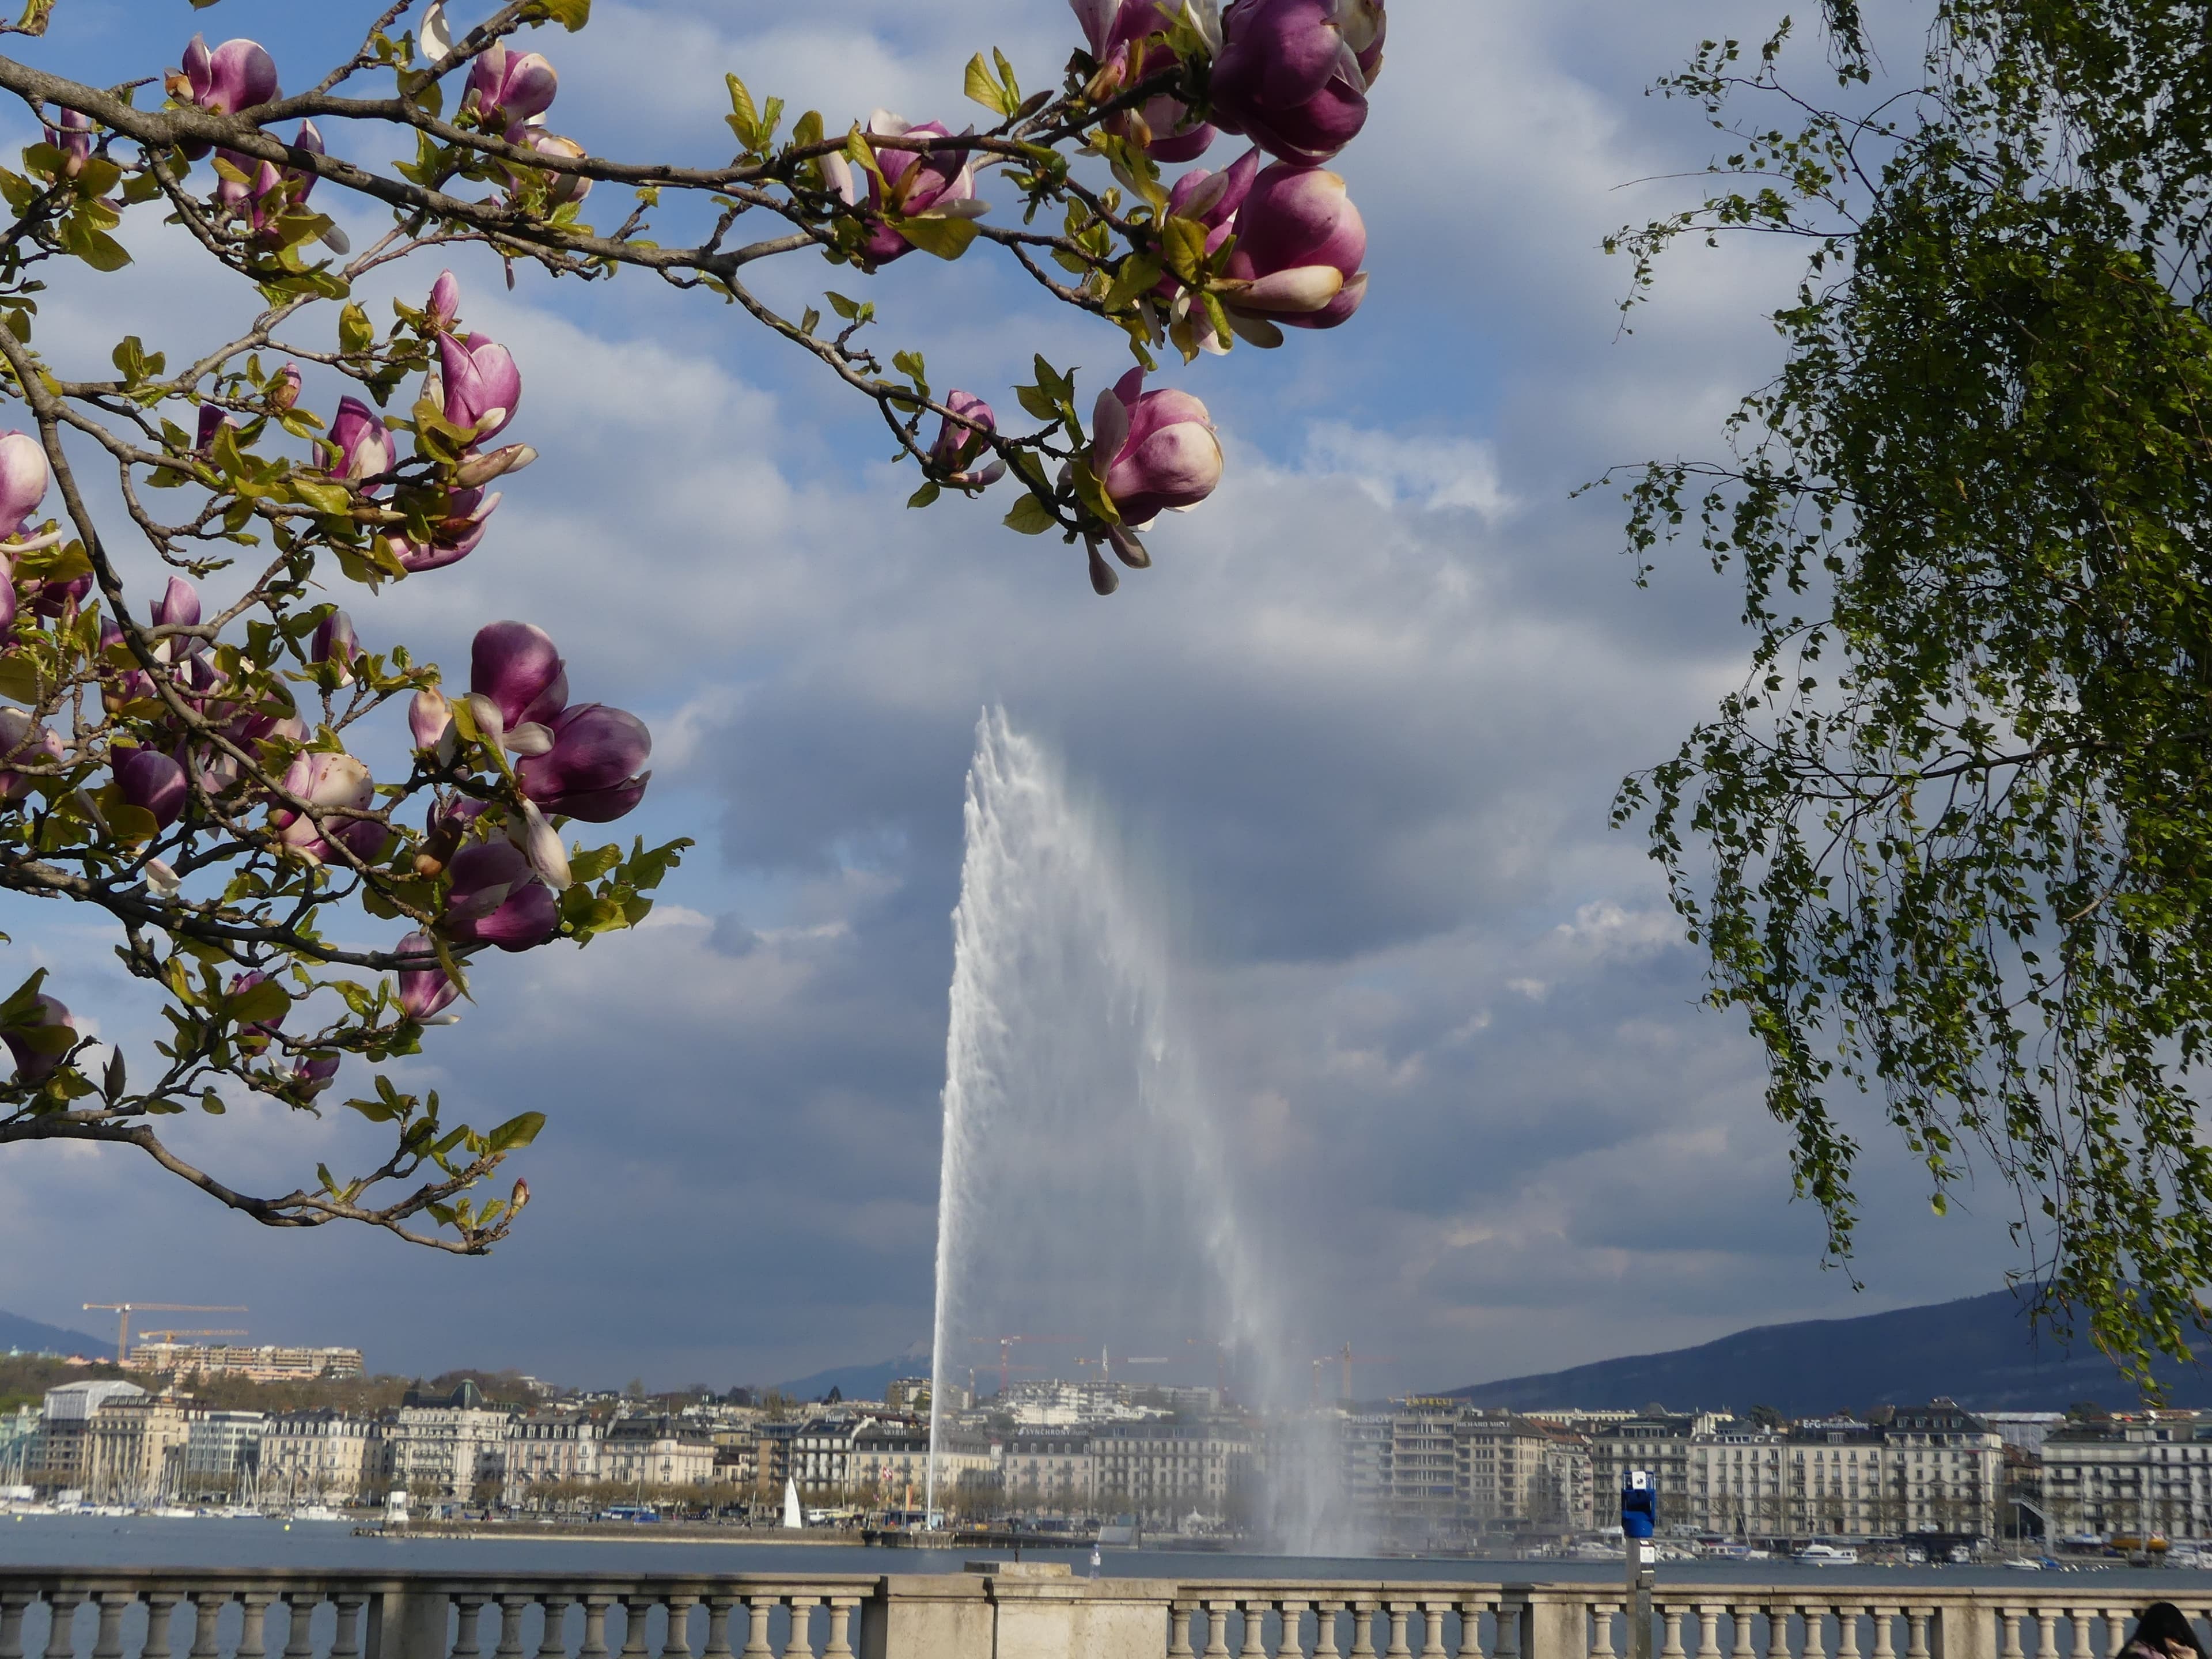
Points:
[(1981, 1350), (32, 1337), (860, 1381)]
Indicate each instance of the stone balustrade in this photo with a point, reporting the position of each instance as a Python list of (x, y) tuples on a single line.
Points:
[(1020, 1613)]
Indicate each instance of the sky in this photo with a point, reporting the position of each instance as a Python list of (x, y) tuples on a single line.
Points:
[(1364, 718)]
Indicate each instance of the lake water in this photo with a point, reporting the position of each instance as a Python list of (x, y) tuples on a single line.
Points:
[(56, 1540)]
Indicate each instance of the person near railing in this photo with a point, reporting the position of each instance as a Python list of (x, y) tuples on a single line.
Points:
[(2163, 1631)]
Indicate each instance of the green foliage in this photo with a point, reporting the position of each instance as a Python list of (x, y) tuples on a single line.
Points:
[(1950, 845)]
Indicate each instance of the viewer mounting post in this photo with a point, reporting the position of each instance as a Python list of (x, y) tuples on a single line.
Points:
[(1639, 1519)]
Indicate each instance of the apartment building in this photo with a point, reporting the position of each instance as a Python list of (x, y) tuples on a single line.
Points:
[(261, 1365), (1052, 1470), (325, 1457), (2129, 1476), (222, 1459), (60, 1453), (134, 1449), (656, 1452), (553, 1447), (448, 1448), (1162, 1470)]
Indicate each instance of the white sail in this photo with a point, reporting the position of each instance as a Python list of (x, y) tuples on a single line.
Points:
[(793, 1514)]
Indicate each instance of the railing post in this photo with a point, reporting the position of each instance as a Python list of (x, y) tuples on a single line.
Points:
[(1256, 1630), (410, 1625), (254, 1607), (345, 1639), (1558, 1626), (1325, 1617), (13, 1606), (757, 1609), (1967, 1628), (1470, 1627), (61, 1633), (160, 1607), (840, 1644)]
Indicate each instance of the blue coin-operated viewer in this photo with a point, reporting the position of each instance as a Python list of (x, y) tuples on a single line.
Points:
[(1640, 1504)]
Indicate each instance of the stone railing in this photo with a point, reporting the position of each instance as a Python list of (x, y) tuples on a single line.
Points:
[(1024, 1612)]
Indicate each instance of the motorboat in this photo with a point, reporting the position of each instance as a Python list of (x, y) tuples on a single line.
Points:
[(1827, 1555)]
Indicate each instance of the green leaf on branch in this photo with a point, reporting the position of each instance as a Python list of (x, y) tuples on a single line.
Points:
[(258, 1004), (515, 1131), (924, 497), (570, 15), (1031, 517), (945, 235)]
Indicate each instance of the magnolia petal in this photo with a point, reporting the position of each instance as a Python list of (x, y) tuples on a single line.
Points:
[(541, 843), (529, 738), (161, 880), (1254, 331), (436, 36), (490, 723), (1301, 287), (1109, 428)]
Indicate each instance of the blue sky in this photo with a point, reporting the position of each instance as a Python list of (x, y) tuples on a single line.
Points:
[(1367, 712)]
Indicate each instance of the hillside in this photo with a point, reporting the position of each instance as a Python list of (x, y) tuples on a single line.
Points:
[(1981, 1350), (30, 1336)]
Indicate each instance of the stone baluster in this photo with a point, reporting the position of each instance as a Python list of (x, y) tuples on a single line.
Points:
[(468, 1630), (206, 1613), (113, 1604), (2046, 1632), (1363, 1630), (718, 1627), (1885, 1633), (1178, 1631), (2116, 1629), (1432, 1638), (1670, 1645), (61, 1634), (553, 1634), (299, 1624), (2009, 1622), (253, 1606), (1256, 1630), (1507, 1645), (1915, 1626), (160, 1608), (801, 1641), (637, 1613), (2084, 1646), (1709, 1630), (1293, 1639), (840, 1645), (1470, 1629), (757, 1609), (14, 1604), (1601, 1630), (595, 1629), (1217, 1629), (1816, 1629), (676, 1643), (1847, 1630), (1778, 1630), (1398, 1650), (1325, 1617)]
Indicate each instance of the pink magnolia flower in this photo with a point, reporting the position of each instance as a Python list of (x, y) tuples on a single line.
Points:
[(24, 477), (1152, 451), (591, 771), (478, 384), (315, 1074), (452, 539), (914, 182), (326, 779), (958, 447), (41, 1042), (1114, 30), (424, 993), (496, 899), (516, 672), (364, 445), (1292, 75), (1300, 244), (255, 1035), (561, 188), (430, 717), (269, 191), (509, 89), (334, 641), (445, 303), (238, 74), (154, 783), (23, 740), (70, 132)]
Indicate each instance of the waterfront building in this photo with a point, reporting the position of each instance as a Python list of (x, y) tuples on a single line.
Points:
[(134, 1449), (1053, 1471), (2131, 1476), (1427, 1441), (2025, 1430), (1162, 1471), (221, 1458), (261, 1365), (450, 1447), (908, 1394), (325, 1457), (60, 1452), (822, 1456), (17, 1432), (655, 1452), (553, 1447), (1364, 1441)]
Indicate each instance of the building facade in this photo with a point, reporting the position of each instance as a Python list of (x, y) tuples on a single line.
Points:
[(325, 1457)]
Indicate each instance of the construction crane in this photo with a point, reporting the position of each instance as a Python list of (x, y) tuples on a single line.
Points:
[(1345, 1357), (1220, 1361), (122, 1311), (1006, 1347), (1105, 1365)]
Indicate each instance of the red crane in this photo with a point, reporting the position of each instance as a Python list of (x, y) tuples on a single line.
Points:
[(1006, 1344)]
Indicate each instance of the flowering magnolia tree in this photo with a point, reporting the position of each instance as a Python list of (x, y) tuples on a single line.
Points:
[(183, 757)]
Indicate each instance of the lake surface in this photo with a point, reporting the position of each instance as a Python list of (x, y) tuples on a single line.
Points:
[(58, 1541)]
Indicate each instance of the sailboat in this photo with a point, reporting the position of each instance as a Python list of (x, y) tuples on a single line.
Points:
[(793, 1514)]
